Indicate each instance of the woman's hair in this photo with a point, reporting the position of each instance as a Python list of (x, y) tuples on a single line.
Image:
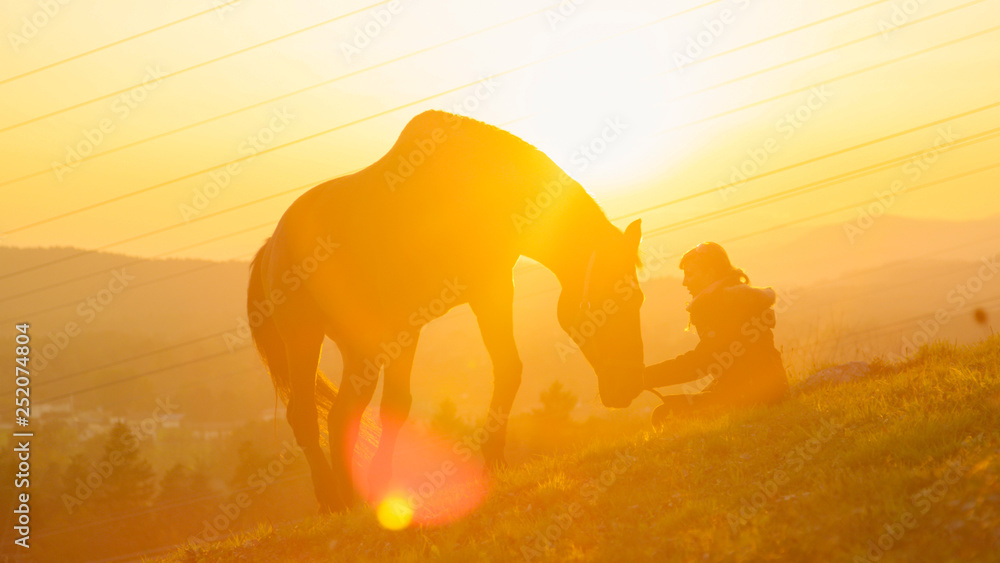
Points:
[(711, 256)]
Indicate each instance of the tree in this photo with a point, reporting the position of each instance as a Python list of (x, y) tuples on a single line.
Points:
[(182, 483), (557, 403), (250, 460), (128, 479), (446, 421), (185, 500)]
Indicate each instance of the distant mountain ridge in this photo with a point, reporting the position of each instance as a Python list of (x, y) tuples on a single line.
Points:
[(190, 309)]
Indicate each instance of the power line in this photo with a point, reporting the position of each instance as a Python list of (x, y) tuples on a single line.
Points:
[(515, 69), (805, 187), (337, 128), (834, 79), (221, 333), (117, 363), (827, 182), (199, 65), (781, 34), (809, 161), (421, 51), (855, 206), (283, 96), (645, 210), (137, 376), (769, 229), (155, 232), (816, 216), (85, 208), (118, 42), (199, 268), (824, 51)]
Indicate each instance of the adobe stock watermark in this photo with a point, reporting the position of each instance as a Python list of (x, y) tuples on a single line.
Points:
[(902, 13), (88, 310), (103, 469), (785, 128), (697, 44), (913, 170), (377, 23), (291, 279), (542, 541), (751, 332), (222, 7), (922, 502), (32, 25), (121, 108), (793, 462), (471, 103), (562, 12), (221, 178), (958, 297), (257, 483), (391, 350), (596, 317), (586, 153), (534, 207), (582, 157), (465, 449), (422, 149)]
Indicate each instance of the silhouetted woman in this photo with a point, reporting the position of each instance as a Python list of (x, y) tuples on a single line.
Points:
[(736, 349)]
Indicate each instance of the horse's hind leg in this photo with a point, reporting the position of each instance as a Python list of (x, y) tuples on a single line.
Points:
[(495, 313), (396, 401), (302, 346), (356, 390)]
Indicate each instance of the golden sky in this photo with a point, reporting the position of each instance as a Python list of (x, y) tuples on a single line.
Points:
[(683, 94)]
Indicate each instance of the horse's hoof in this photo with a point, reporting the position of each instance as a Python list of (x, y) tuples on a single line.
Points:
[(660, 416)]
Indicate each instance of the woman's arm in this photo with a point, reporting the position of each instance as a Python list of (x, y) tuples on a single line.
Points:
[(682, 369)]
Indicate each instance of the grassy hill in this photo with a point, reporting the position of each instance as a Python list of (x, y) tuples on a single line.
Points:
[(904, 465)]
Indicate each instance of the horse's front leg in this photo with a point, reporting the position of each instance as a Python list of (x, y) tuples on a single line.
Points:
[(395, 408), (494, 312)]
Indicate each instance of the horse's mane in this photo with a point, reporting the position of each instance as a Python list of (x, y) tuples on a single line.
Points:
[(422, 125)]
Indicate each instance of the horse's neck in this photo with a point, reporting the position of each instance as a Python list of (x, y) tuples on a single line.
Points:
[(564, 242)]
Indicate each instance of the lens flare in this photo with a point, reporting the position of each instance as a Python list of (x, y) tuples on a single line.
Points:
[(394, 512), (435, 479)]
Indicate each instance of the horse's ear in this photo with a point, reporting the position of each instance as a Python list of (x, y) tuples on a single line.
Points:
[(633, 234)]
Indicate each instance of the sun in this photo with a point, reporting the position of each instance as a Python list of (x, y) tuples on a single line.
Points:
[(594, 111)]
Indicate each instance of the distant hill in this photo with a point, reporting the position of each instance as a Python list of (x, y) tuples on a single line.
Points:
[(178, 319), (829, 252)]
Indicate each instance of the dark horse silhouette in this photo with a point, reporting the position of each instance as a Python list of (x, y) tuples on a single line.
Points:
[(367, 259)]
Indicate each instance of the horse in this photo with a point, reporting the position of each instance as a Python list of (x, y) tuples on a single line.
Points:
[(369, 258)]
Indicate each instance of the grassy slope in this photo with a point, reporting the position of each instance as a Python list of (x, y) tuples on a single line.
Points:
[(680, 499)]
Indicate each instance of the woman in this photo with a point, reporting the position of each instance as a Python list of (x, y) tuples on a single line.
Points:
[(735, 363)]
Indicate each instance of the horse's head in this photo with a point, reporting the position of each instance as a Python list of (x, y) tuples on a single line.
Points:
[(602, 317)]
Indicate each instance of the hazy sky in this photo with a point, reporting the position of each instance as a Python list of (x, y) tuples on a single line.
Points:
[(682, 102)]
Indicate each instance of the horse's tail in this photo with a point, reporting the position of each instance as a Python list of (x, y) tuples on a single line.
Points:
[(271, 348)]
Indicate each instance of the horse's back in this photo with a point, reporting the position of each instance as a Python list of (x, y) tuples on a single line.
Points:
[(434, 209)]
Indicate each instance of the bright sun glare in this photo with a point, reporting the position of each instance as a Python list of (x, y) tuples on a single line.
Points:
[(594, 113)]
